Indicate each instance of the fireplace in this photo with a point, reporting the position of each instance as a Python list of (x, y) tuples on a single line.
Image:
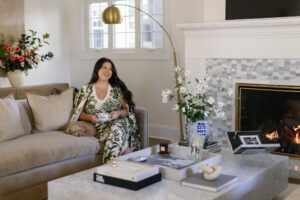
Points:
[(272, 109)]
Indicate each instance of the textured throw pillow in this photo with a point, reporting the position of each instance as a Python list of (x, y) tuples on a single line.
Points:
[(53, 112), (11, 125)]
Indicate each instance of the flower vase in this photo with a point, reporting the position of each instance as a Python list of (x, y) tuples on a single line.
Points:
[(197, 134), (16, 78)]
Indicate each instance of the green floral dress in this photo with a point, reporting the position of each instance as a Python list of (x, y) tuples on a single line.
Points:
[(115, 135)]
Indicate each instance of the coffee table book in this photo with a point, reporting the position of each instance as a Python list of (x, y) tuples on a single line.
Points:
[(198, 181), (125, 183), (127, 170)]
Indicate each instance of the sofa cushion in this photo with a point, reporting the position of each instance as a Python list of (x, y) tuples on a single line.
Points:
[(36, 150), (14, 119), (53, 112)]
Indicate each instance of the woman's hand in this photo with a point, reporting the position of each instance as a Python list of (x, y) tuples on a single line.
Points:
[(115, 114), (94, 119)]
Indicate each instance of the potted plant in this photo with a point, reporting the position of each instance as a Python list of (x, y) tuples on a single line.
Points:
[(195, 104), (22, 56)]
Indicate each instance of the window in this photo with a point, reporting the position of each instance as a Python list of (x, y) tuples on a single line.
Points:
[(151, 33), (137, 31), (98, 31)]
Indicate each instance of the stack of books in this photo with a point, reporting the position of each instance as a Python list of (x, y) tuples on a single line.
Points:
[(127, 174), (212, 146)]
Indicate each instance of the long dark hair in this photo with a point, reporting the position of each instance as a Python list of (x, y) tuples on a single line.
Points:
[(114, 81)]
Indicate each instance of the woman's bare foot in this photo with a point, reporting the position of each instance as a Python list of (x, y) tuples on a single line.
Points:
[(127, 151)]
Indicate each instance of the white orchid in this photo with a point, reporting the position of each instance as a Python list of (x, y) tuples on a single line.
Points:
[(187, 73), (177, 68), (198, 91), (194, 103), (211, 100), (183, 89), (206, 113)]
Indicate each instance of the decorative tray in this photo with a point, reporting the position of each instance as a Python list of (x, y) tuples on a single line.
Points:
[(177, 165)]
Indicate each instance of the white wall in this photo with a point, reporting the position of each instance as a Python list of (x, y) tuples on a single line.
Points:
[(214, 10), (48, 17)]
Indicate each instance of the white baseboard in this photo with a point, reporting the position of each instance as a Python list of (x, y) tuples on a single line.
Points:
[(164, 132)]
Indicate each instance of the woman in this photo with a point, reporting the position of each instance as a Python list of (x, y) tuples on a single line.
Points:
[(107, 94)]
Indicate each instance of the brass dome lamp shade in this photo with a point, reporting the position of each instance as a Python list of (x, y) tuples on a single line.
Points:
[(112, 15)]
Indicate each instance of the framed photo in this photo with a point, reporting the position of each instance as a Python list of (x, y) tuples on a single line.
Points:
[(241, 141), (250, 139)]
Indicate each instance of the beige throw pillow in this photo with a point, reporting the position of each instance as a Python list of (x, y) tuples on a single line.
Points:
[(11, 125), (52, 112)]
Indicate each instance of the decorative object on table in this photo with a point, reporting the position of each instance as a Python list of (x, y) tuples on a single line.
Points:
[(241, 141), (112, 15), (22, 56), (81, 128), (212, 146), (163, 148), (127, 174), (169, 161), (180, 153), (195, 105), (138, 159), (198, 181), (211, 173)]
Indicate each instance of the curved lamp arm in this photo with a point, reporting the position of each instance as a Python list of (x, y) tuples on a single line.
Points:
[(174, 58)]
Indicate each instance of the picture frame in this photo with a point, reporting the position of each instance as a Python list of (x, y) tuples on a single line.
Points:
[(241, 141)]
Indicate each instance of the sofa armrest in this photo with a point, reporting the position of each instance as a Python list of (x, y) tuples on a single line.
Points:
[(142, 119)]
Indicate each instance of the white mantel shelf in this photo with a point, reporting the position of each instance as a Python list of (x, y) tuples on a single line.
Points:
[(267, 26), (274, 38)]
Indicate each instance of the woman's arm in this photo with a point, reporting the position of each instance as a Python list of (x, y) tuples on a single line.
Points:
[(120, 113), (88, 117)]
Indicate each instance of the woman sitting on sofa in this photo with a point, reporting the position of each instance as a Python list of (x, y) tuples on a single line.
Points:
[(107, 104)]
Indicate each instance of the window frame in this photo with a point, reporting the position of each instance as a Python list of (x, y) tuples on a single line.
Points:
[(137, 53)]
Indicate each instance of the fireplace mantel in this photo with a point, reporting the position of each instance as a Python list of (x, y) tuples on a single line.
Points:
[(267, 26), (273, 38)]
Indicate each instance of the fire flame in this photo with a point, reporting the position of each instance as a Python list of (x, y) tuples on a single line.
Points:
[(296, 128), (272, 135), (297, 139)]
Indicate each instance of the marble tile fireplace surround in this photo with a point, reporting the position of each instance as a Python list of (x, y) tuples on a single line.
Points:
[(259, 51)]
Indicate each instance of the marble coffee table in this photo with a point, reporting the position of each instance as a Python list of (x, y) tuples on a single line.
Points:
[(261, 175)]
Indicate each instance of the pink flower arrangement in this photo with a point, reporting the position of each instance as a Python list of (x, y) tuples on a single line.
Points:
[(23, 55)]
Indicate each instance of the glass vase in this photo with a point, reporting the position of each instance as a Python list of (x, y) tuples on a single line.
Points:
[(197, 134)]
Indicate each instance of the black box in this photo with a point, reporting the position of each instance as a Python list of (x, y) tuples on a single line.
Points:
[(125, 183)]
